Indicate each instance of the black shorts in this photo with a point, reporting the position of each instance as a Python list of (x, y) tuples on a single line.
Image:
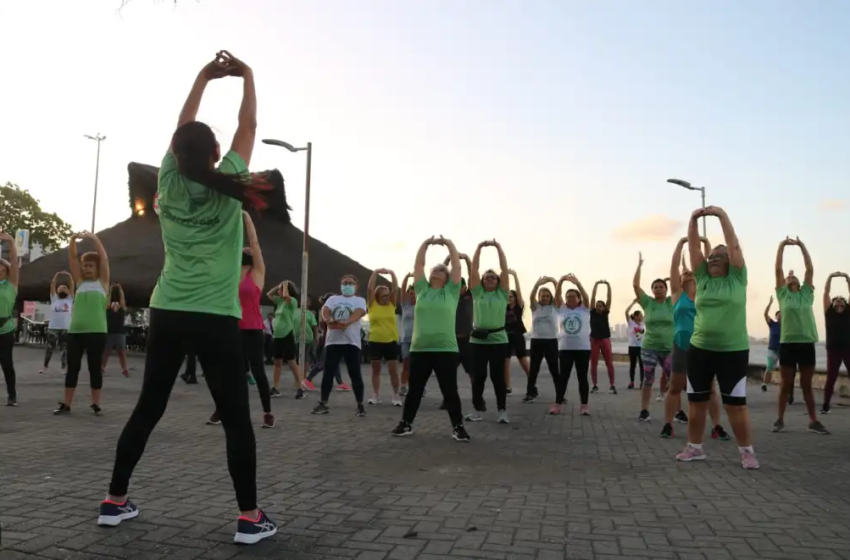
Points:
[(516, 344), (797, 354), (387, 351), (730, 369), (284, 348)]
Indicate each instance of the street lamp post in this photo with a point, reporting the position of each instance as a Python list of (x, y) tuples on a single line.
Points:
[(97, 138), (305, 255), (687, 185)]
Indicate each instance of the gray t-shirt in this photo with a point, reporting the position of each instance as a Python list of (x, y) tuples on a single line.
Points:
[(407, 313), (544, 322)]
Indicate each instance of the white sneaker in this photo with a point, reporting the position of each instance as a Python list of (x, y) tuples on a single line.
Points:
[(396, 400), (374, 400), (659, 398), (503, 417)]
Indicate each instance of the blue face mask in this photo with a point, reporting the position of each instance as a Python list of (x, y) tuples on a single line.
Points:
[(347, 289)]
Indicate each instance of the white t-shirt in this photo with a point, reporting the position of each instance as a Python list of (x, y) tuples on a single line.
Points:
[(636, 332), (544, 322), (60, 313), (341, 308), (575, 328)]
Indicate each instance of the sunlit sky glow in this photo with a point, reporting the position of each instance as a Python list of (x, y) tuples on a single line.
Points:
[(551, 126)]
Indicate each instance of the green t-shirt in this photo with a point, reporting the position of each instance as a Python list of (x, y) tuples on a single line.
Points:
[(89, 312), (798, 317), (311, 324), (285, 316), (658, 321), (202, 233), (721, 320), (488, 312), (8, 293), (434, 321)]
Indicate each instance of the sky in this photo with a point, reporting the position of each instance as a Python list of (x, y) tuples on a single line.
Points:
[(550, 126)]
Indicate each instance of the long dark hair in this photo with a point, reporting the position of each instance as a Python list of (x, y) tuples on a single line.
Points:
[(194, 146)]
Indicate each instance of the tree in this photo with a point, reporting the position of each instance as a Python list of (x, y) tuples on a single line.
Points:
[(19, 210)]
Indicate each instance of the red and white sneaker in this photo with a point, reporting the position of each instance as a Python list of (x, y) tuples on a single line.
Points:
[(308, 385), (343, 387)]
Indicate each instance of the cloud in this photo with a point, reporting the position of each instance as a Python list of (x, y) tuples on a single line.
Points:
[(833, 205), (651, 228)]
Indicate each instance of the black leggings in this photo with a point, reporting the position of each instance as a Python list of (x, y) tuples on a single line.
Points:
[(634, 359), (542, 348), (92, 344), (492, 355), (581, 359), (7, 345), (252, 348), (217, 342), (444, 366), (334, 354)]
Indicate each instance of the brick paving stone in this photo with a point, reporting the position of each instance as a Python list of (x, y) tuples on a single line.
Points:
[(542, 487)]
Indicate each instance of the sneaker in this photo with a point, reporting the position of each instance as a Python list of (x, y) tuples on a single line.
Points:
[(96, 410), (528, 399), (691, 453), (360, 412), (299, 394), (667, 431), (214, 419), (778, 426), (555, 409), (584, 410), (374, 400), (63, 409), (824, 409), (644, 416), (274, 392), (343, 387), (612, 390), (595, 389), (508, 390), (397, 401), (125, 373), (631, 385), (112, 513), (459, 433), (308, 385), (681, 417), (659, 398), (251, 380), (252, 531), (473, 417), (43, 371), (503, 417), (11, 401), (764, 387), (818, 428), (268, 420), (402, 429), (403, 391), (749, 461), (320, 408), (718, 432)]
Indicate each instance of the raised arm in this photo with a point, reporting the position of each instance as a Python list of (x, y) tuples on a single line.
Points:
[(767, 310), (456, 272), (778, 270), (827, 298), (639, 293), (733, 246), (581, 289), (807, 259), (53, 285), (284, 291), (258, 270), (74, 259), (274, 292), (608, 299), (419, 265), (121, 300), (394, 292), (675, 276), (213, 70), (370, 288), (706, 249), (533, 296), (104, 258), (519, 300), (694, 245), (593, 293), (559, 292), (407, 277), (629, 311), (246, 129), (505, 276), (14, 271), (474, 273)]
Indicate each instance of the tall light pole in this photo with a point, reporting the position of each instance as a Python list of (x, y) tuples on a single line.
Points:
[(305, 255), (97, 138), (687, 185)]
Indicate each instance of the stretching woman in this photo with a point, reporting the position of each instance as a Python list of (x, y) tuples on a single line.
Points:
[(434, 346), (489, 339), (837, 337), (319, 366), (8, 293), (573, 342), (544, 339), (286, 314), (798, 337), (775, 329), (116, 339), (87, 332), (515, 327), (720, 345), (634, 322), (600, 337), (658, 340), (194, 307), (383, 333), (408, 314), (61, 303)]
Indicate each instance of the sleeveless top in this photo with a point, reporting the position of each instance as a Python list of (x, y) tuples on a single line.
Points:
[(89, 312), (249, 299), (684, 314)]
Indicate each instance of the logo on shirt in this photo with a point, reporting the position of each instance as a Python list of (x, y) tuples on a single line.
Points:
[(572, 325), (342, 311)]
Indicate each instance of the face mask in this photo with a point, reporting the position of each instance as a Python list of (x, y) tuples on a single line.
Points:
[(347, 289), (2, 282), (62, 295)]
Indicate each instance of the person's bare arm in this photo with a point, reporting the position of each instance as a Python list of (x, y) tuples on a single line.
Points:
[(629, 310), (733, 245), (533, 296), (404, 295), (326, 315), (419, 265), (767, 311), (519, 300), (53, 285), (582, 291), (593, 293), (246, 129), (121, 300), (693, 240), (213, 70), (608, 299), (104, 258), (258, 270), (675, 276), (559, 292), (807, 260), (456, 271), (394, 292), (827, 299), (639, 293), (706, 249), (778, 269), (74, 259), (370, 287), (474, 272), (274, 292), (504, 276)]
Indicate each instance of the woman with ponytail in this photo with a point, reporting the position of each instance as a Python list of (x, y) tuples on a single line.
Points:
[(194, 306)]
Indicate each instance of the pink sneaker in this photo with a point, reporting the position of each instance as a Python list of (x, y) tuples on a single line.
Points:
[(343, 387), (691, 453), (748, 460), (556, 409), (308, 385), (585, 410)]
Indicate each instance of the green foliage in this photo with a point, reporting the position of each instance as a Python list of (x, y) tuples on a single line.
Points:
[(19, 210)]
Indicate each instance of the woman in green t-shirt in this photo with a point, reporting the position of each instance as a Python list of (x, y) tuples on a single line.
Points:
[(490, 348), (87, 332), (798, 335), (8, 292)]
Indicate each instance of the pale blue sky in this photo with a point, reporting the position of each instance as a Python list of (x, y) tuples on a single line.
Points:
[(551, 126)]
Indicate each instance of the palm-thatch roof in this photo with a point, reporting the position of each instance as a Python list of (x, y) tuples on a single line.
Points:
[(136, 252)]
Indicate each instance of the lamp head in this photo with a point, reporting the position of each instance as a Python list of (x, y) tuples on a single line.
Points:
[(681, 183), (282, 144)]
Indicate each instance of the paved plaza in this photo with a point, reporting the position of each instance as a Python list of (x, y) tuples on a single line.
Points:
[(543, 487)]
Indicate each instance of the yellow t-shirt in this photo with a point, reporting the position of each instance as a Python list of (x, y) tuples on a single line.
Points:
[(382, 323)]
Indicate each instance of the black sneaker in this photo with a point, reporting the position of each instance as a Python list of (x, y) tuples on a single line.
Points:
[(459, 433), (667, 431), (361, 411), (63, 409), (631, 385), (823, 410), (718, 432), (403, 429), (764, 387), (595, 389), (299, 394), (320, 408), (528, 399), (818, 428), (252, 531), (96, 410), (11, 401), (112, 513), (681, 417), (644, 416), (268, 420), (214, 419), (612, 390), (274, 392)]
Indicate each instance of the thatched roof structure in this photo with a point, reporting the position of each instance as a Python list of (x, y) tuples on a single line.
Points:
[(136, 252)]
